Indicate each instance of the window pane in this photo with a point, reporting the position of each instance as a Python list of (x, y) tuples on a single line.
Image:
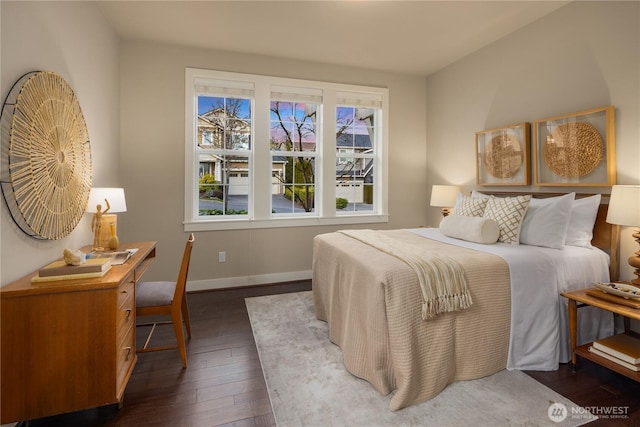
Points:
[(355, 129), (293, 126), (223, 185), (293, 189), (224, 123), (354, 187), (355, 133)]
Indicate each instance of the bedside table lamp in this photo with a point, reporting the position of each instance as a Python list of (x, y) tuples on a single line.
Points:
[(104, 203), (624, 209), (444, 196)]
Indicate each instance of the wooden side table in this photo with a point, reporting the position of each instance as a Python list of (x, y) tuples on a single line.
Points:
[(610, 304)]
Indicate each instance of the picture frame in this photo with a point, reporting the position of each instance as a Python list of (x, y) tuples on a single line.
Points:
[(502, 156), (576, 149)]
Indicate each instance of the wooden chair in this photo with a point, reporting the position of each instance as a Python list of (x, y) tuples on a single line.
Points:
[(167, 298)]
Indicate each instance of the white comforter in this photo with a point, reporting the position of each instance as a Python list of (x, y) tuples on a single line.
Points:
[(539, 329)]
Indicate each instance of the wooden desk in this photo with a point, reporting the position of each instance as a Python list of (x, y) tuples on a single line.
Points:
[(581, 296), (69, 345)]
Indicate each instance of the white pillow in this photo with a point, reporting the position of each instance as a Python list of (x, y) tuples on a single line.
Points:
[(581, 221), (547, 221), (468, 206), (479, 195), (470, 228), (508, 212)]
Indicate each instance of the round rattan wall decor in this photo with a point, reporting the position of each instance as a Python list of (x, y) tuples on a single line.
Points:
[(573, 149), (503, 156), (49, 156)]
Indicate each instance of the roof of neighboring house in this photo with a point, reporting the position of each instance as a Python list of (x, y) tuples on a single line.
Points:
[(350, 140)]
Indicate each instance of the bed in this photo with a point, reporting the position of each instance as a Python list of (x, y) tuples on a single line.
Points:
[(374, 303)]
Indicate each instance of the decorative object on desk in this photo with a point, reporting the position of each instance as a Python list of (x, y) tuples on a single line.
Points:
[(46, 176), (103, 224), (444, 196), (575, 149), (624, 209), (619, 289), (75, 257), (114, 242), (502, 155)]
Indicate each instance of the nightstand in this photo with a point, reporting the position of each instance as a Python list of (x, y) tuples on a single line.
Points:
[(614, 305)]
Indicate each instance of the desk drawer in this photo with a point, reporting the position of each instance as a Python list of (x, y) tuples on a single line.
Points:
[(126, 290), (125, 317), (126, 355)]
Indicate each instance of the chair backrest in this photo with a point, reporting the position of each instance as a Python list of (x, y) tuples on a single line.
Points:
[(181, 282)]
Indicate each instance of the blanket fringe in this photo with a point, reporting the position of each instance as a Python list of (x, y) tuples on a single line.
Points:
[(445, 304)]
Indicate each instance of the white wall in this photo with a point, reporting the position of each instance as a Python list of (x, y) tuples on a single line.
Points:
[(152, 164), (73, 40), (584, 55)]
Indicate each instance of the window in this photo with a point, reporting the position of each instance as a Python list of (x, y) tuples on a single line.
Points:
[(268, 152), (356, 155), (223, 148)]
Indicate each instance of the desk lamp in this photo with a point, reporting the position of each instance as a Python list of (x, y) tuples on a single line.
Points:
[(104, 203), (444, 196), (624, 209)]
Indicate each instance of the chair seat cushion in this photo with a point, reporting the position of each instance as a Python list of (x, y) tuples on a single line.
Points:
[(149, 294)]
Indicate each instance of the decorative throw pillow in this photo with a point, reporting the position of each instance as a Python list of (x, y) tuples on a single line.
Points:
[(468, 206), (508, 212), (581, 221), (470, 228), (547, 221)]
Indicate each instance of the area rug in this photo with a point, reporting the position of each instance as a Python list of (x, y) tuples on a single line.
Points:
[(309, 386)]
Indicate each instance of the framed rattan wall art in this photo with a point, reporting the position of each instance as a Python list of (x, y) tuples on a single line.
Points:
[(576, 149), (46, 156), (502, 156)]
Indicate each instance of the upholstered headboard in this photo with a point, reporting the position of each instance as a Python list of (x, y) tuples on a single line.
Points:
[(605, 236)]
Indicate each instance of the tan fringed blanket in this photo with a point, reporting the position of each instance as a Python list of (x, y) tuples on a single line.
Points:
[(371, 301), (441, 279)]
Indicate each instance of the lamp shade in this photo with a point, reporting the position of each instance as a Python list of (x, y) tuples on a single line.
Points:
[(115, 196), (444, 196), (624, 205)]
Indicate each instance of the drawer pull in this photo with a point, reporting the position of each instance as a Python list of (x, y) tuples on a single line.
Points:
[(128, 352), (128, 314)]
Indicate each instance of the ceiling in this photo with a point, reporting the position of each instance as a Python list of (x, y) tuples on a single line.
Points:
[(409, 37)]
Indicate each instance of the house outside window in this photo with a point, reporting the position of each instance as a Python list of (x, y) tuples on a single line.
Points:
[(271, 152)]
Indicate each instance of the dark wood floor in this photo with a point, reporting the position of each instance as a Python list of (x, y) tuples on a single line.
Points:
[(224, 384)]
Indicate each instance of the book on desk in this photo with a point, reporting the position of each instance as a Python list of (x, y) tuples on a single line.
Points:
[(61, 268), (60, 271)]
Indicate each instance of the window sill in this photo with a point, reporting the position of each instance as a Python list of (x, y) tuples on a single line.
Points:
[(244, 224)]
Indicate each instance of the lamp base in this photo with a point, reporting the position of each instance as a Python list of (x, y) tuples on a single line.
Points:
[(104, 236)]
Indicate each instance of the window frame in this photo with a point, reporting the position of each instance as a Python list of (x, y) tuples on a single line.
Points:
[(260, 155)]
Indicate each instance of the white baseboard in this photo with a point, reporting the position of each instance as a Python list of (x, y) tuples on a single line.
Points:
[(238, 282)]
